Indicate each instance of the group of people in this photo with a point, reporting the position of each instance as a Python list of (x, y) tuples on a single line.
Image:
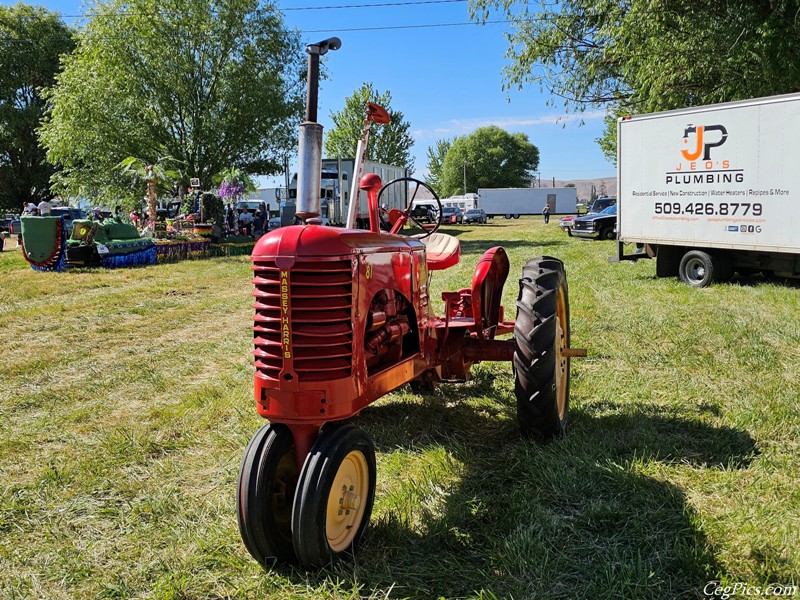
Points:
[(243, 222), (37, 210)]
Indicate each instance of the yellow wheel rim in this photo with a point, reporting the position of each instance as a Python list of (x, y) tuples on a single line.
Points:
[(562, 361), (347, 501)]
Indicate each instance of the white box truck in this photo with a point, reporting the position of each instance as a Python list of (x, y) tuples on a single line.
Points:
[(513, 202), (712, 190), (337, 174)]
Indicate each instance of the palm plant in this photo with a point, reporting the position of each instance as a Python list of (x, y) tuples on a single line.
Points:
[(152, 174)]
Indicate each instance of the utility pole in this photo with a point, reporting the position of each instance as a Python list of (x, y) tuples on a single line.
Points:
[(286, 173), (465, 178)]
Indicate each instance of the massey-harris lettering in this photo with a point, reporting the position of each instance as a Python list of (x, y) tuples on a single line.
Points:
[(286, 329)]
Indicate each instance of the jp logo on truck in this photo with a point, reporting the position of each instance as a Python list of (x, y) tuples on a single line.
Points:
[(701, 146), (698, 141)]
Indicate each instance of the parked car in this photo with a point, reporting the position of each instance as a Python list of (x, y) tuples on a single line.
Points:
[(424, 212), (565, 223), (475, 215), (452, 215), (601, 226), (15, 227), (69, 213), (5, 222)]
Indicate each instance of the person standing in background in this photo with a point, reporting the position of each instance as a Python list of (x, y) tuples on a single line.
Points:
[(246, 222), (44, 208)]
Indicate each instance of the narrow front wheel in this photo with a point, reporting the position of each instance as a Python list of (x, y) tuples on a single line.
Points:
[(334, 496), (267, 480)]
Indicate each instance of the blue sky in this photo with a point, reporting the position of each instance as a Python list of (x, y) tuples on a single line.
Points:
[(447, 81)]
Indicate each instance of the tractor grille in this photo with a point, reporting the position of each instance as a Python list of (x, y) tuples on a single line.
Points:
[(320, 320)]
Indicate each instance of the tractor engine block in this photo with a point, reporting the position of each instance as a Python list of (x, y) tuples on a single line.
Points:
[(386, 326)]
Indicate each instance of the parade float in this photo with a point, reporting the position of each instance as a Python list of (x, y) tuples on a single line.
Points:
[(47, 245)]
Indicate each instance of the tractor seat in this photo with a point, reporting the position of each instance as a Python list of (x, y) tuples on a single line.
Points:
[(441, 250)]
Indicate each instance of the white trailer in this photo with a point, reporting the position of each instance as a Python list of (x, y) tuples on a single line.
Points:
[(711, 190), (337, 175), (513, 202), (464, 202)]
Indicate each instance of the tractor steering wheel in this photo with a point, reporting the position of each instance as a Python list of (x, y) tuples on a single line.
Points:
[(406, 215)]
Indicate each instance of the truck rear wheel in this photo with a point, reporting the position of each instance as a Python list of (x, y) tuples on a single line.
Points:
[(700, 269), (696, 269), (541, 336)]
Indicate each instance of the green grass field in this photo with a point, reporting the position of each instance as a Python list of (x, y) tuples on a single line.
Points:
[(126, 405)]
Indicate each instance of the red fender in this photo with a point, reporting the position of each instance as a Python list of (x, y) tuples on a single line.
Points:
[(487, 291)]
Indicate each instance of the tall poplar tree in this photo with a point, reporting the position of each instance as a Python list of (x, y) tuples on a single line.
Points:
[(389, 144)]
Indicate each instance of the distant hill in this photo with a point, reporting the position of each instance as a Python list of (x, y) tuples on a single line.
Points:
[(584, 186)]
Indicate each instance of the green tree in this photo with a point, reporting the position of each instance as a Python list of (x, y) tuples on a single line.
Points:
[(389, 144), (210, 84), (489, 157), (32, 41), (436, 156), (649, 55)]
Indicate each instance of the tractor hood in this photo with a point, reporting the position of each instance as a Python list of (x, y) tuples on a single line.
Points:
[(324, 241)]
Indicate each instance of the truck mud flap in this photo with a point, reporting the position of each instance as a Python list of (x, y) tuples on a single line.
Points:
[(668, 259)]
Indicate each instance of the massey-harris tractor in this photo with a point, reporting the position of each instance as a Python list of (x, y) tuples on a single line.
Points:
[(343, 317)]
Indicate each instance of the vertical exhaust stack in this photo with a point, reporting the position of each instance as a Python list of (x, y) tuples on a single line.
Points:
[(309, 167)]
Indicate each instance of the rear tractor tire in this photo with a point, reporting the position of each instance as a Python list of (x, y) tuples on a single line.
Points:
[(541, 336)]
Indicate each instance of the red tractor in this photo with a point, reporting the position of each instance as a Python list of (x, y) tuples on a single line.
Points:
[(344, 317)]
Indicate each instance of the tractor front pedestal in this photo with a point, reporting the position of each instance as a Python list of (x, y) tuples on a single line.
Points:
[(304, 437)]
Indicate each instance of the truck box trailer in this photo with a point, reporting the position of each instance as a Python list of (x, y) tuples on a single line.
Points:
[(712, 190), (337, 174), (513, 202)]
